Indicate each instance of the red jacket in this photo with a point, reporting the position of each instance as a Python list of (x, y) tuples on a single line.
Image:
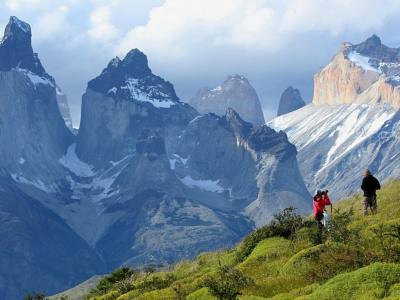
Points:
[(320, 202)]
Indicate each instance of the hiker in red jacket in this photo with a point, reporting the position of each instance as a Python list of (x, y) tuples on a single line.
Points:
[(321, 199)]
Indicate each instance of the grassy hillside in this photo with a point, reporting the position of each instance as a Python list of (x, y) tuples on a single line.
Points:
[(358, 258)]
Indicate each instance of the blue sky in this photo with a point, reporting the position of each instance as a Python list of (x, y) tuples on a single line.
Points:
[(196, 43)]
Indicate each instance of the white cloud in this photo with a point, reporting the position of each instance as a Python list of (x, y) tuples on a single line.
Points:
[(335, 16), (101, 27), (51, 23), (179, 27), (16, 5)]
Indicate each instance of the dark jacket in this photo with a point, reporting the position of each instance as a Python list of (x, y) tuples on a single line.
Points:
[(369, 185)]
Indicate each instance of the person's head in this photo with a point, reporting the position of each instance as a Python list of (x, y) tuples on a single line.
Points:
[(367, 173), (318, 193)]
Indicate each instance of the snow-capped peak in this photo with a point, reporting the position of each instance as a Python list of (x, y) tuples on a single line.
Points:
[(132, 79)]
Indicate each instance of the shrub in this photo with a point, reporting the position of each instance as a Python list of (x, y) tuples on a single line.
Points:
[(228, 283), (315, 234), (285, 224), (371, 282), (120, 279), (35, 296), (156, 282), (339, 230)]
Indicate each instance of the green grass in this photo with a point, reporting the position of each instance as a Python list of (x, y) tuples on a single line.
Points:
[(360, 262)]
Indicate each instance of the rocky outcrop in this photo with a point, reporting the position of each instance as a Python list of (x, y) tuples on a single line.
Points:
[(235, 92), (290, 101), (368, 72)]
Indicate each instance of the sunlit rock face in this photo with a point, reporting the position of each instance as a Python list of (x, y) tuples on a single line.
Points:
[(368, 72)]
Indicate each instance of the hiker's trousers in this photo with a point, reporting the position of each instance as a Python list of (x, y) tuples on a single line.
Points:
[(370, 202)]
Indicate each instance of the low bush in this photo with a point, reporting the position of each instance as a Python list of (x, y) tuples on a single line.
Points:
[(228, 283), (285, 224), (120, 278)]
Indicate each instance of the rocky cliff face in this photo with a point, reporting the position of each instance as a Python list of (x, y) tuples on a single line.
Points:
[(235, 92), (290, 101), (368, 72), (33, 133)]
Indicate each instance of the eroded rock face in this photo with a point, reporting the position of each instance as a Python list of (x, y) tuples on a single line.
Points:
[(291, 100), (368, 72), (235, 92)]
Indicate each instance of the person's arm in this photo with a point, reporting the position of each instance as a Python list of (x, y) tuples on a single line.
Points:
[(377, 184), (363, 184)]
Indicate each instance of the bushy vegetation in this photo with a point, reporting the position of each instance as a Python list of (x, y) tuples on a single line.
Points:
[(228, 283), (356, 257), (284, 224)]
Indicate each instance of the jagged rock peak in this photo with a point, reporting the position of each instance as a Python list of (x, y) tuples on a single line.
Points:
[(291, 100), (240, 127), (234, 92), (132, 79), (373, 48), (17, 29), (16, 49), (134, 64), (258, 138)]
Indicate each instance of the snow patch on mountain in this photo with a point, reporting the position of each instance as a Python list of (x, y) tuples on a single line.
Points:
[(72, 162), (34, 78), (347, 125), (134, 86), (362, 61), (176, 159), (36, 183), (205, 185)]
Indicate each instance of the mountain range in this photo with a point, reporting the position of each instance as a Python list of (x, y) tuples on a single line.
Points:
[(147, 179)]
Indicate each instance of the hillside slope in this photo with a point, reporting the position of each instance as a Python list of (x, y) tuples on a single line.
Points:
[(357, 259)]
